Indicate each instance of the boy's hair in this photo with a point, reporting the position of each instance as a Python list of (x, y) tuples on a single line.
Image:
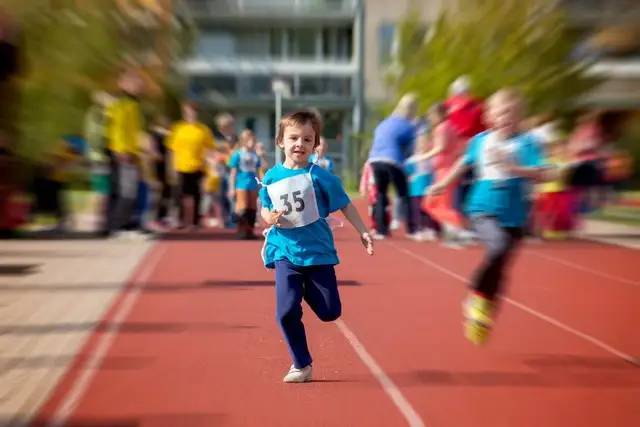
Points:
[(245, 135), (300, 118), (223, 119), (509, 94), (191, 104)]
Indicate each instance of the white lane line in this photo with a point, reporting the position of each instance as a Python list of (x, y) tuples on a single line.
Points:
[(92, 364), (389, 387), (586, 269), (527, 309)]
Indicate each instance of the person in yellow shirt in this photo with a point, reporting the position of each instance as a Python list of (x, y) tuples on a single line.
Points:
[(189, 141), (124, 133)]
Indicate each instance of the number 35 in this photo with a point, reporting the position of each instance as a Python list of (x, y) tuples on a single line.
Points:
[(296, 199)]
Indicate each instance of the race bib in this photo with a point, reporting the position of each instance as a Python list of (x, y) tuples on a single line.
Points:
[(296, 197), (495, 155), (248, 162)]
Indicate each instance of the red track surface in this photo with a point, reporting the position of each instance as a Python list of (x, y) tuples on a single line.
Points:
[(200, 346)]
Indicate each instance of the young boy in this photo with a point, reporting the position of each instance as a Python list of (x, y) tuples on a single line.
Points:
[(420, 176), (244, 167), (505, 160), (297, 196)]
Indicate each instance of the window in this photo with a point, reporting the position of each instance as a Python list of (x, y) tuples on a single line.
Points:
[(325, 86), (253, 44), (215, 44), (302, 43), (275, 43), (386, 36)]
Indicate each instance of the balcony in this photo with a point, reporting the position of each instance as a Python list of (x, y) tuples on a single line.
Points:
[(593, 12), (252, 10)]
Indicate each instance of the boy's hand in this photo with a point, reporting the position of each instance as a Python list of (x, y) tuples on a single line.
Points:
[(435, 189), (274, 218), (367, 242)]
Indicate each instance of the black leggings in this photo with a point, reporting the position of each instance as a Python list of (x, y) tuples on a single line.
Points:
[(384, 174), (500, 243)]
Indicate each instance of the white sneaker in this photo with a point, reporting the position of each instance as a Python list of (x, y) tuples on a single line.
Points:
[(296, 375), (378, 236), (416, 237), (429, 236), (395, 225)]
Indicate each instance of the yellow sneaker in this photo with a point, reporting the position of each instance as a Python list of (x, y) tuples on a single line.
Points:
[(554, 235), (478, 312)]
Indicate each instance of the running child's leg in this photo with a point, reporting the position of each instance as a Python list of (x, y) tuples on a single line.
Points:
[(499, 243), (289, 294), (321, 292), (488, 279)]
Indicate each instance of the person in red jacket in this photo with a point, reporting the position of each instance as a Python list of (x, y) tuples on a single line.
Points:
[(465, 115)]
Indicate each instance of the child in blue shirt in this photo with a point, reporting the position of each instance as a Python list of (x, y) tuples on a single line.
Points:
[(319, 157), (297, 196), (244, 166), (422, 227), (505, 162)]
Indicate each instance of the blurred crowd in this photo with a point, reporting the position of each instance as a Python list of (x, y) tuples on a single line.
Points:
[(412, 153)]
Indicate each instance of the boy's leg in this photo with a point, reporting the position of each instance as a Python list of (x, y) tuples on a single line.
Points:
[(381, 174), (289, 294), (414, 215), (251, 213), (479, 306), (321, 292), (197, 197), (242, 198), (499, 243)]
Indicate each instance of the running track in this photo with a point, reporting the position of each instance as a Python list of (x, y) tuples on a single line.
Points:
[(192, 342)]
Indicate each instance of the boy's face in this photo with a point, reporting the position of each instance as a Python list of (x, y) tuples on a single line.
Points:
[(504, 114), (298, 142), (189, 113), (250, 143)]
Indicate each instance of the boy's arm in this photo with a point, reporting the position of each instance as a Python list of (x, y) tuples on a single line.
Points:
[(353, 217), (456, 172)]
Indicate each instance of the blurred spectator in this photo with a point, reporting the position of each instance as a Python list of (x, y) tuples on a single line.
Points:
[(124, 143), (393, 141), (95, 133), (189, 142)]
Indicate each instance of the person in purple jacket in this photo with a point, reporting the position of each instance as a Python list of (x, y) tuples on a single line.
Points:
[(393, 142)]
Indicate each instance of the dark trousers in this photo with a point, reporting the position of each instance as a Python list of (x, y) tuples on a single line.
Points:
[(123, 195), (500, 243), (318, 286), (165, 198), (190, 187), (418, 218), (385, 174)]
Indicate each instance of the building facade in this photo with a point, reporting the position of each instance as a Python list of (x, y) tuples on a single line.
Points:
[(314, 46)]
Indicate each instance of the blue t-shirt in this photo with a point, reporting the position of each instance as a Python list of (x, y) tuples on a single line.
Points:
[(392, 140), (496, 193), (419, 175), (311, 244), (324, 163), (247, 164)]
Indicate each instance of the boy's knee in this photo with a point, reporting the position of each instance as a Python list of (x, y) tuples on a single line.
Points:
[(331, 315)]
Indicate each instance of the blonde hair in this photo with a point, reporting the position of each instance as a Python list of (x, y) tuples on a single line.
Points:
[(508, 94), (300, 118), (407, 106)]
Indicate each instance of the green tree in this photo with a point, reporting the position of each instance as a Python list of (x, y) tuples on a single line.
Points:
[(497, 43), (71, 48)]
